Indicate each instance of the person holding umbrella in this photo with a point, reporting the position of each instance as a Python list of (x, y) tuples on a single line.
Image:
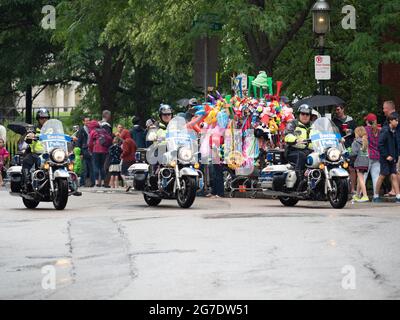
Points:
[(190, 109)]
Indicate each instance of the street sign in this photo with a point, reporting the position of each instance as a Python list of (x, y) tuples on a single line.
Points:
[(206, 52), (323, 67)]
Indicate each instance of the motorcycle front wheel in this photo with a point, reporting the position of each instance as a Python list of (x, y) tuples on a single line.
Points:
[(187, 194), (30, 204), (340, 192), (151, 202), (288, 201), (60, 194)]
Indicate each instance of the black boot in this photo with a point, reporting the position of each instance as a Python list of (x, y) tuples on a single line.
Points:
[(26, 183)]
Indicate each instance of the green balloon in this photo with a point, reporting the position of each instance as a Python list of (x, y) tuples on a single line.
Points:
[(250, 85), (270, 86)]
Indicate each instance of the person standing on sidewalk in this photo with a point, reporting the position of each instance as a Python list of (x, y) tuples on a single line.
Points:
[(128, 152), (373, 132), (4, 155), (346, 126), (86, 156), (359, 150), (106, 124), (389, 108), (99, 142), (138, 134), (389, 154), (115, 152)]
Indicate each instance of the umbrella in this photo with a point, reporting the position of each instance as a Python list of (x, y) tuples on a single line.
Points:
[(320, 101), (19, 127), (183, 102)]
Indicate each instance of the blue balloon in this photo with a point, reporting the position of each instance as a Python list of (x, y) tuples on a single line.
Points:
[(222, 119)]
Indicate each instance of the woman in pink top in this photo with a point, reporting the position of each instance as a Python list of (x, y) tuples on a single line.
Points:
[(373, 150), (4, 154)]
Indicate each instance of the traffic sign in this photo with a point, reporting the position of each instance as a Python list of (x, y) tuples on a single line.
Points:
[(323, 67)]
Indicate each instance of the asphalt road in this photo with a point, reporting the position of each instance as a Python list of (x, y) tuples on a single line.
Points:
[(112, 246)]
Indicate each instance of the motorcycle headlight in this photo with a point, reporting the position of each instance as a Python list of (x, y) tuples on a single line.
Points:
[(58, 155), (334, 154), (185, 154)]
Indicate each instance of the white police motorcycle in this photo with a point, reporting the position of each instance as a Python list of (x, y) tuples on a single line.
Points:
[(169, 170), (326, 177), (54, 181)]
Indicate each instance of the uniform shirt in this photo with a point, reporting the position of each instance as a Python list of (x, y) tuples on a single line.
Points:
[(291, 138)]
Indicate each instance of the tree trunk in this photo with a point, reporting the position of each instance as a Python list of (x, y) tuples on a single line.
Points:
[(142, 91), (109, 79), (262, 53)]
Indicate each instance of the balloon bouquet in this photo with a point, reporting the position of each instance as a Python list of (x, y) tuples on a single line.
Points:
[(243, 125)]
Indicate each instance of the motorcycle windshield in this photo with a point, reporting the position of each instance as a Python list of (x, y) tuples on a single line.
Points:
[(52, 136), (178, 135), (324, 135), (3, 133)]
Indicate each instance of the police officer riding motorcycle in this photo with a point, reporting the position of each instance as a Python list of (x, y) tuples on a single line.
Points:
[(297, 137), (46, 174), (169, 169), (31, 157), (317, 163)]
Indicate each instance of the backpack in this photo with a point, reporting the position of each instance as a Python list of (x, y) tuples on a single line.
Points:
[(103, 138)]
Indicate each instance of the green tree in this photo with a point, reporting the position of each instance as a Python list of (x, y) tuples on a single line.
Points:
[(26, 51)]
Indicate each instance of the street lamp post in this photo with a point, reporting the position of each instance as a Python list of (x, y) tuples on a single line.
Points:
[(321, 26)]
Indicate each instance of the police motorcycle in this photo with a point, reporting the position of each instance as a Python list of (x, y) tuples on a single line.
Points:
[(54, 179), (169, 169), (325, 178)]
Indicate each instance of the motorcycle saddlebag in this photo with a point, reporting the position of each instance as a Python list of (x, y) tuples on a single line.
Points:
[(138, 173)]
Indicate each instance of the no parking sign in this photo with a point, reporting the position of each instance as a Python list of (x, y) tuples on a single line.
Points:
[(323, 67)]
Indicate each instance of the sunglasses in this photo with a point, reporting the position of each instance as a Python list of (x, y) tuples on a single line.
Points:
[(167, 114), (305, 114)]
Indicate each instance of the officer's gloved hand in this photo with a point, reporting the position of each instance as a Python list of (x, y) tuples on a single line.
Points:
[(30, 137)]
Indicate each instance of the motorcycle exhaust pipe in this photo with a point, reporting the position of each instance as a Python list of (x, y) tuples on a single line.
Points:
[(166, 173), (39, 175)]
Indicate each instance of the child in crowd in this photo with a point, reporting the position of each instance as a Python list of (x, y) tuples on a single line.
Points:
[(115, 152), (4, 154), (78, 161), (359, 150)]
